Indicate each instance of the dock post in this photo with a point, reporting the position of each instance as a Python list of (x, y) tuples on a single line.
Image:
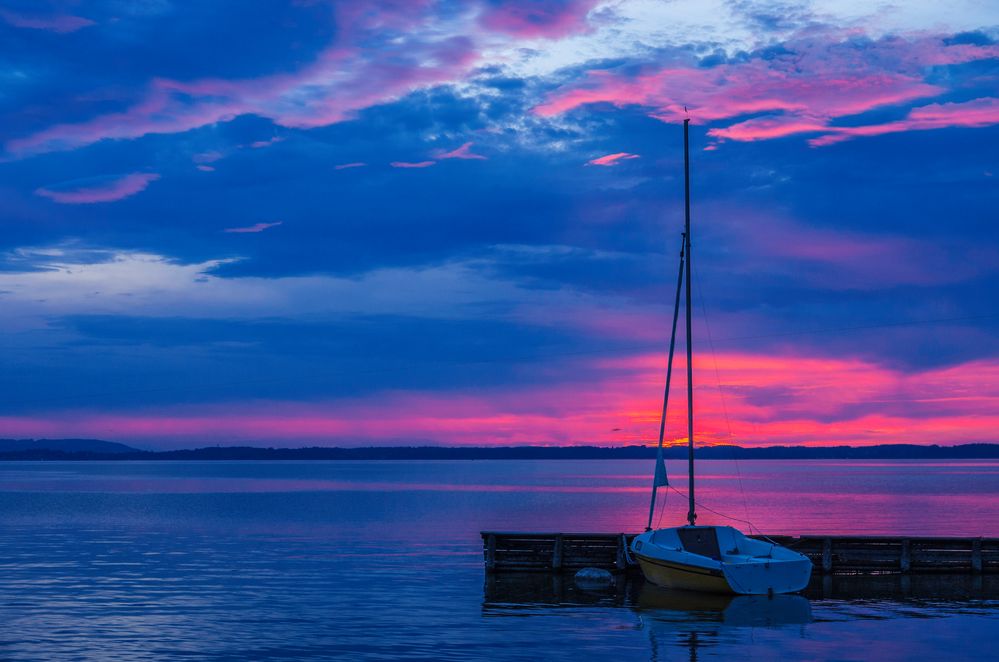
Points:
[(619, 561), (558, 586), (905, 561), (827, 555), (976, 556), (557, 553), (491, 552)]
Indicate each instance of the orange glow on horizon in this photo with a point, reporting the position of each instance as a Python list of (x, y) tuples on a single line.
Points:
[(760, 400)]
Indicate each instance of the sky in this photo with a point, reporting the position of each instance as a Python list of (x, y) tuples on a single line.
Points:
[(458, 222)]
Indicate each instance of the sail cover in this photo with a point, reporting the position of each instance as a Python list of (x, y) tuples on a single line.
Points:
[(661, 479)]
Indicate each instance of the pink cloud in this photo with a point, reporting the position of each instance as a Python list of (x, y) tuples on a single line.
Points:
[(769, 399), (256, 227), (738, 89), (766, 128), (550, 19), (820, 79), (259, 144), (612, 159), (355, 164), (345, 77), (408, 164), (971, 114), (463, 152), (62, 23), (106, 191), (837, 259), (206, 168), (207, 157)]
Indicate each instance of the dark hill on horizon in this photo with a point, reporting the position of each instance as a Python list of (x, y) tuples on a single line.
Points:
[(65, 446), (94, 449)]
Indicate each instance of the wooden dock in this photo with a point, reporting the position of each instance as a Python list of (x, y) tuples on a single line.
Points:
[(568, 552)]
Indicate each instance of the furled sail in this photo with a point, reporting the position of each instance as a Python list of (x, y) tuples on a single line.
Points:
[(661, 480)]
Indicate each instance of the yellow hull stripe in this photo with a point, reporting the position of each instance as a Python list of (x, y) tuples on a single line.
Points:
[(682, 576), (682, 567)]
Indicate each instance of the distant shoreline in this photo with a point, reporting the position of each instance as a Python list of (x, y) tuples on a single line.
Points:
[(94, 450)]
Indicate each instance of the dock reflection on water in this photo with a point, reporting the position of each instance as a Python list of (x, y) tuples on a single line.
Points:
[(510, 590)]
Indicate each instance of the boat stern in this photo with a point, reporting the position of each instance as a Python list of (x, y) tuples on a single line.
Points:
[(763, 577)]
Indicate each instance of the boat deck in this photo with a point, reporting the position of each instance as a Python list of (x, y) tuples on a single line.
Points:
[(568, 552)]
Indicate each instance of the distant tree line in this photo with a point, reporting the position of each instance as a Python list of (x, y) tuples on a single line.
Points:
[(92, 449)]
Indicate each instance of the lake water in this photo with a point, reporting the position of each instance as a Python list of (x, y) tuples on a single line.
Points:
[(383, 560)]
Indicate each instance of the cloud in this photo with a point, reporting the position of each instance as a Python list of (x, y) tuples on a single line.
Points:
[(207, 157), (791, 398), (202, 159), (463, 152), (108, 190), (256, 227), (72, 280), (345, 166), (409, 164), (259, 144), (970, 114), (835, 259), (612, 159), (768, 400), (381, 55), (802, 88), (61, 23), (385, 51), (549, 19)]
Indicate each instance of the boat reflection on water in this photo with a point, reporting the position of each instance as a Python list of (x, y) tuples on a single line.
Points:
[(731, 610), (695, 621)]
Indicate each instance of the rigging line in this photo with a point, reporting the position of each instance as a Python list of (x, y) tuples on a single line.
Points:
[(662, 509), (721, 391), (734, 519)]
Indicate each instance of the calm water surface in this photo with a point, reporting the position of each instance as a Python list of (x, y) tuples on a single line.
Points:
[(382, 560)]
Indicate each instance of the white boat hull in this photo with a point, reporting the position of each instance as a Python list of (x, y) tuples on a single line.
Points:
[(719, 559)]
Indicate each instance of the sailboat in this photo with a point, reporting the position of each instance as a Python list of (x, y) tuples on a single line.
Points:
[(713, 559)]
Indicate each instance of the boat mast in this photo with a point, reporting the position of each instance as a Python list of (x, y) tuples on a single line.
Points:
[(691, 515)]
